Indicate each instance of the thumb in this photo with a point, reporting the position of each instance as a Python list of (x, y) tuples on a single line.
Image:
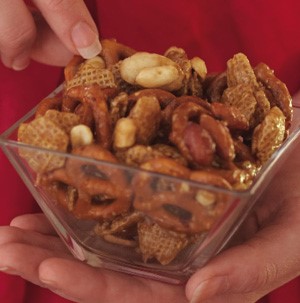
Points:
[(247, 272)]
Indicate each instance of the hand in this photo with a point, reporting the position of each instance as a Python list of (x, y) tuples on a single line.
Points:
[(268, 254), (51, 33), (50, 265)]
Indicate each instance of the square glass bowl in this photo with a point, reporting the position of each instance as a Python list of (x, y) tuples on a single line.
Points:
[(122, 251)]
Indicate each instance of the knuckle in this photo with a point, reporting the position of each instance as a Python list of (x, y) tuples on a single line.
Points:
[(56, 5), (15, 39), (269, 274), (11, 253), (9, 235), (263, 275)]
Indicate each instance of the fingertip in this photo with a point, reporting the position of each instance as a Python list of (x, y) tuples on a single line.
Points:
[(60, 275), (91, 51), (47, 272), (209, 289), (17, 35), (216, 277), (18, 63), (59, 271), (86, 40), (48, 277), (20, 221), (17, 221)]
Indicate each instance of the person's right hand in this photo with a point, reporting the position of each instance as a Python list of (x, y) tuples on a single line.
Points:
[(51, 33)]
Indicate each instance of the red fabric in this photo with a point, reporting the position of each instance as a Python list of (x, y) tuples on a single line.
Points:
[(214, 30), (18, 93), (266, 31)]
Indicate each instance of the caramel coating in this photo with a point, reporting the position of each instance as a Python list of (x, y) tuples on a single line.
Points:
[(269, 134), (156, 143), (96, 99), (101, 191), (180, 120), (159, 243), (239, 71), (113, 51), (280, 95), (172, 204), (49, 103)]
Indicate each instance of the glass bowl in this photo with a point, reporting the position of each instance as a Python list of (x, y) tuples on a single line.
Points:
[(127, 249)]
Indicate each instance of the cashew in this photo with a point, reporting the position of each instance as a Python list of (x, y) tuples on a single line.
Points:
[(147, 116), (205, 198), (125, 133), (199, 66), (81, 135), (152, 71)]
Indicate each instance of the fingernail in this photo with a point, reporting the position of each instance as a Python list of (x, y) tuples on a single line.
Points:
[(86, 40), (4, 268), (19, 64), (208, 289), (8, 270)]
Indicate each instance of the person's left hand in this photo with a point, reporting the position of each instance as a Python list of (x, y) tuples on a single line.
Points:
[(31, 249)]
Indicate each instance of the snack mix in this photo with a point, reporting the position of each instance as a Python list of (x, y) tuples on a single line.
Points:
[(159, 113)]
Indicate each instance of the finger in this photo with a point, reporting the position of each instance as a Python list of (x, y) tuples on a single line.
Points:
[(249, 271), (48, 48), (17, 34), (23, 260), (73, 24), (94, 285), (16, 235), (34, 222)]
